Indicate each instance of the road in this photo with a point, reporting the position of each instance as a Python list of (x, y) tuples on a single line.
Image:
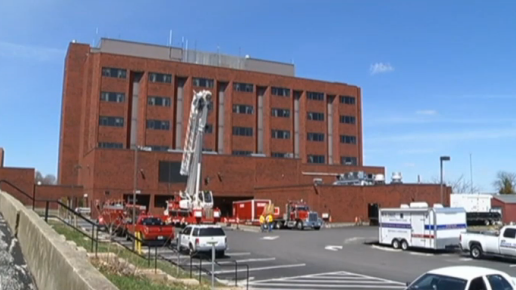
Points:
[(326, 259), (14, 274)]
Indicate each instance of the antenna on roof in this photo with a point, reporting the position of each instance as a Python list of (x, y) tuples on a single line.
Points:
[(170, 38), (97, 34)]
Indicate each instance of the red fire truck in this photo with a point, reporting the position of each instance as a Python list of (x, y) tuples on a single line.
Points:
[(193, 205), (297, 214)]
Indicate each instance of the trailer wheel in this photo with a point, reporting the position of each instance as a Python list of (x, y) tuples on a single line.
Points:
[(404, 245), (396, 244), (475, 251)]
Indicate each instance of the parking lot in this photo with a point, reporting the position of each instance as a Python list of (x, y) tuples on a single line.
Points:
[(336, 258)]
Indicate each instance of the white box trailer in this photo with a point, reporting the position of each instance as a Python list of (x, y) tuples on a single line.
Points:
[(471, 202), (419, 226)]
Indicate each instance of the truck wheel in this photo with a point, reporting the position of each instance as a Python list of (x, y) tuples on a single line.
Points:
[(404, 245), (277, 225), (475, 251), (486, 222), (317, 228), (395, 244), (299, 226)]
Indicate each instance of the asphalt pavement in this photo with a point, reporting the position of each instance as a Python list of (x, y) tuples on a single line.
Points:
[(14, 274), (333, 258)]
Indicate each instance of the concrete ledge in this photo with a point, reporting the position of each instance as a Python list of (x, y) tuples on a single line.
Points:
[(53, 262), (10, 207)]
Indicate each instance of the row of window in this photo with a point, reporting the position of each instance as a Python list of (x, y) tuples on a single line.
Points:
[(210, 83), (237, 131), (345, 160)]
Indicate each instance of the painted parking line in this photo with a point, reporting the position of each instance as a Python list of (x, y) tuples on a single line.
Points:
[(247, 261), (332, 280), (251, 269), (237, 254)]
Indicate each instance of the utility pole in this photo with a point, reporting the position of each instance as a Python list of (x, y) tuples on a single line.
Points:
[(135, 182)]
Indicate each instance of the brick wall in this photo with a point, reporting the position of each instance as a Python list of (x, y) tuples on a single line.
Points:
[(54, 192), (23, 178), (344, 203)]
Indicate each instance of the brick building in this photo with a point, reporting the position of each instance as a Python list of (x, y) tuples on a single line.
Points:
[(266, 127)]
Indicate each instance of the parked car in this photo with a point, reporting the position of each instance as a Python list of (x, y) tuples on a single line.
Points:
[(199, 238), (463, 278)]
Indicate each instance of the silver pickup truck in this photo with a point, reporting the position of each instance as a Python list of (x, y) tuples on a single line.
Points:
[(500, 243)]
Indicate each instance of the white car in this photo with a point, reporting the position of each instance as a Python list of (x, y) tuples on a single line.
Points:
[(199, 239), (463, 278)]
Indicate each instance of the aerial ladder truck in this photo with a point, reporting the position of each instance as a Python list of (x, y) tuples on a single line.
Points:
[(193, 205)]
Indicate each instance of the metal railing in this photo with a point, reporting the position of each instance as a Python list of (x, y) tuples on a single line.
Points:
[(94, 237)]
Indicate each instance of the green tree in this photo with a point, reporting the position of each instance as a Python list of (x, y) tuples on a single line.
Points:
[(505, 182), (45, 179)]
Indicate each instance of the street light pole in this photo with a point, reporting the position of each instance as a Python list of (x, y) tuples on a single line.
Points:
[(135, 182), (442, 159)]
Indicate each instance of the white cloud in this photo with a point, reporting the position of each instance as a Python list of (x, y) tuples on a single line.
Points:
[(380, 67), (494, 133), (426, 112), (39, 53)]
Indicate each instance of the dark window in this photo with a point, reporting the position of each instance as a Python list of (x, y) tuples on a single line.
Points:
[(158, 101), (319, 137), (112, 97), (280, 155), (241, 152), (348, 139), (315, 116), (280, 134), (315, 96), (283, 92), (243, 87), (111, 145), (111, 121), (434, 281), (345, 160), (152, 221), (348, 119), (509, 233), (347, 100), (284, 113), (208, 129), (114, 72), (158, 125), (498, 282), (211, 232), (476, 284), (242, 131), (203, 83), (168, 172), (159, 148), (316, 158), (243, 109), (160, 78)]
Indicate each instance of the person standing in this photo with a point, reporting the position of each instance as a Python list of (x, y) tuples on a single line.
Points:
[(269, 222), (262, 223)]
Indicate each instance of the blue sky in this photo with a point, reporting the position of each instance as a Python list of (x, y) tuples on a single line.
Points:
[(437, 76)]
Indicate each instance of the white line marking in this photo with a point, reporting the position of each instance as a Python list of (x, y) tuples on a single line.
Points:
[(238, 254), (247, 260), (261, 268), (295, 277), (465, 259), (512, 266), (333, 248), (270, 238), (421, 254), (332, 281), (318, 286), (385, 249)]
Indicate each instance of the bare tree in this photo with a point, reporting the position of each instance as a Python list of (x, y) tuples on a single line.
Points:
[(505, 182), (459, 185), (45, 179)]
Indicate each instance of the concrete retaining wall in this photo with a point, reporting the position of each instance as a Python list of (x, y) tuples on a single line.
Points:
[(54, 264)]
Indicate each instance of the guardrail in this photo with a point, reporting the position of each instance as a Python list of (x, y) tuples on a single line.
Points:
[(208, 272)]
